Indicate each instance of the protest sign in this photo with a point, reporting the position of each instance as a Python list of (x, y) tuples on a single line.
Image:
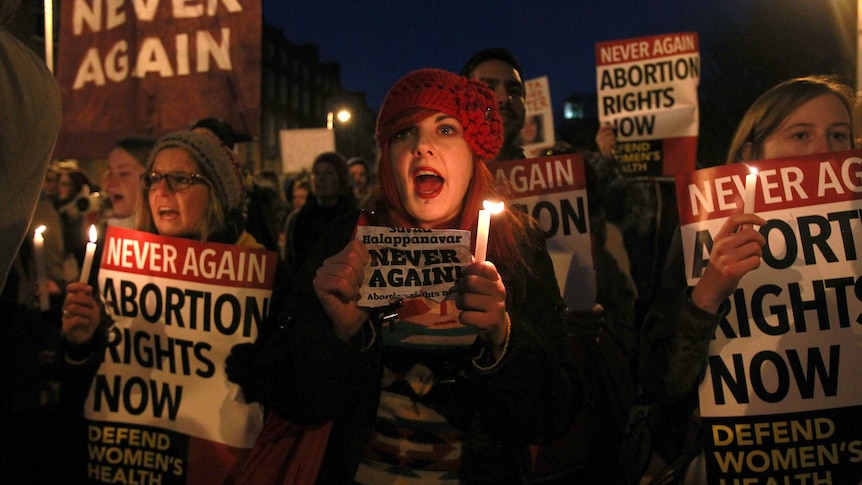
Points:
[(153, 67), (647, 88), (538, 131), (780, 400), (411, 262), (553, 190), (160, 408), (416, 269), (300, 146)]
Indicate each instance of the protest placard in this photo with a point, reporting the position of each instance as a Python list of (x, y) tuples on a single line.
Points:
[(411, 262), (130, 67), (780, 400), (538, 131), (160, 408), (647, 88), (553, 190)]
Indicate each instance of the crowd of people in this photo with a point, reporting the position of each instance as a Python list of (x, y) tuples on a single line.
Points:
[(474, 388)]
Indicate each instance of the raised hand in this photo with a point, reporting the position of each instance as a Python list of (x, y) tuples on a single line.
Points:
[(737, 249), (337, 285), (81, 313)]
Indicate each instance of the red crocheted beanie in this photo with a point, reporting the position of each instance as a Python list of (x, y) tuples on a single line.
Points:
[(470, 102)]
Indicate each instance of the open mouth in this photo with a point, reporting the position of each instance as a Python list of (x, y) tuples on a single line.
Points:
[(428, 183), (167, 212)]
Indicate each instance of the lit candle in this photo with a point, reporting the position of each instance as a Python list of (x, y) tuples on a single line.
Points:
[(750, 189), (39, 249), (88, 257), (482, 229)]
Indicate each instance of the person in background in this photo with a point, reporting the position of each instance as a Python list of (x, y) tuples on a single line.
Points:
[(126, 163), (221, 129), (266, 209), (644, 211), (500, 70), (47, 214), (360, 179), (299, 194), (79, 208), (453, 391), (801, 116), (331, 197), (192, 188)]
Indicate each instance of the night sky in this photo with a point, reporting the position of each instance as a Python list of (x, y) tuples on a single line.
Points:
[(377, 42)]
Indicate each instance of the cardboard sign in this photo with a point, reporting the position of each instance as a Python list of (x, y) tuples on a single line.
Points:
[(553, 190), (780, 400), (647, 89), (160, 407)]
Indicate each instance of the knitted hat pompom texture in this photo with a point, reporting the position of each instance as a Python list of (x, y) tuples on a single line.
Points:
[(215, 161), (471, 102)]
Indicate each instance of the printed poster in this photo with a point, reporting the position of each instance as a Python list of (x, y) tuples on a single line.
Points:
[(781, 400), (160, 408), (537, 135), (647, 88), (417, 268), (152, 67), (554, 191), (411, 262)]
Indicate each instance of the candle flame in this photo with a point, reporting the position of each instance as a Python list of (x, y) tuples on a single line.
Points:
[(495, 208), (40, 229), (93, 234), (752, 170)]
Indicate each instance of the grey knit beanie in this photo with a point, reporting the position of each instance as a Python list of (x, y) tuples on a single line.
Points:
[(216, 162)]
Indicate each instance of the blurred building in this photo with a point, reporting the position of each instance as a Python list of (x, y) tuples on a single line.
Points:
[(300, 91)]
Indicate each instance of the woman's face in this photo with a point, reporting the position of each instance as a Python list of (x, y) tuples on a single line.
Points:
[(359, 175), (821, 125), (65, 187), (299, 196), (432, 165), (123, 183), (177, 213), (324, 182)]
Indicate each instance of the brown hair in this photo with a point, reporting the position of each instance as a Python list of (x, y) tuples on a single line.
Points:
[(767, 113)]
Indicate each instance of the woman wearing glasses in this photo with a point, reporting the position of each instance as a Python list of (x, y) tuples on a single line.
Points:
[(192, 188)]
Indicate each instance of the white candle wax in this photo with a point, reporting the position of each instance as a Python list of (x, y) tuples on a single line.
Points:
[(41, 274), (482, 229), (88, 257), (750, 190)]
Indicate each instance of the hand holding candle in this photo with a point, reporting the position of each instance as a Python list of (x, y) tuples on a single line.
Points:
[(482, 229), (39, 250), (88, 257)]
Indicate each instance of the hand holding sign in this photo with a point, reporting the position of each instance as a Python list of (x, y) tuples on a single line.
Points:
[(736, 250), (337, 285)]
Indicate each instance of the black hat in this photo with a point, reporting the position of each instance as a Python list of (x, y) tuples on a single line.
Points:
[(222, 129)]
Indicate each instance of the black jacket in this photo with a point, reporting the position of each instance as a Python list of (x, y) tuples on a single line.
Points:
[(306, 374)]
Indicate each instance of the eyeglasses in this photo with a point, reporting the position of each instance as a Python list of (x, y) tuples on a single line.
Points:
[(177, 181)]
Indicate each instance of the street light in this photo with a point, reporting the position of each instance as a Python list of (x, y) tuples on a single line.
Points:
[(342, 115)]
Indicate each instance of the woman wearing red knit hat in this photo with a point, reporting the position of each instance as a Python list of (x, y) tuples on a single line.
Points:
[(457, 398)]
